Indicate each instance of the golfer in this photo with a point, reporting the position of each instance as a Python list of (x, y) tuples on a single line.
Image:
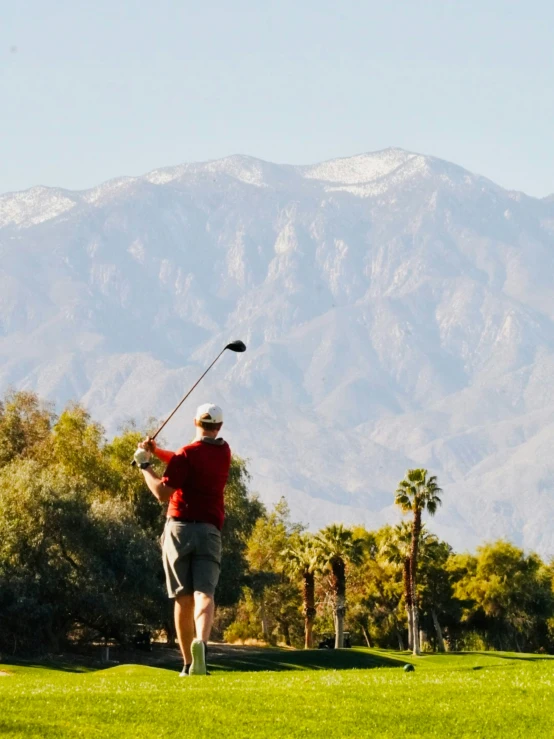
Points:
[(193, 483)]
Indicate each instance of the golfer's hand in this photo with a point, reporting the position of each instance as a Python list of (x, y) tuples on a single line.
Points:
[(148, 444), (142, 457)]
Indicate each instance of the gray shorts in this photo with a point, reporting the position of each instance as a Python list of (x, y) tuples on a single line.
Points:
[(191, 556)]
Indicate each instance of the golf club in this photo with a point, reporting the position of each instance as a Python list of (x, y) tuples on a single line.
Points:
[(234, 346)]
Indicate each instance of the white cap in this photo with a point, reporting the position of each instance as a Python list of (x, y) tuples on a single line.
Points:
[(210, 413)]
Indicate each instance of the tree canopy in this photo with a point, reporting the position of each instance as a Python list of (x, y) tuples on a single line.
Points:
[(80, 557)]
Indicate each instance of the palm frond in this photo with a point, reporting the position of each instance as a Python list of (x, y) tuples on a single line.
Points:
[(337, 541), (418, 492)]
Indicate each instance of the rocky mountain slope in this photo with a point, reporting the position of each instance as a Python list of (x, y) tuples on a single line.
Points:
[(398, 311)]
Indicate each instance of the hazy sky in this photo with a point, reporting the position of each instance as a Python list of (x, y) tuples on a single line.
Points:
[(93, 90)]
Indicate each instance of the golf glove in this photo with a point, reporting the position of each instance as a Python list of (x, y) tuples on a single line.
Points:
[(142, 458)]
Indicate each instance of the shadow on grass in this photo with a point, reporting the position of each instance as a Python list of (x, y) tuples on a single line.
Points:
[(515, 656), (248, 659), (51, 663), (230, 658), (227, 658), (523, 657)]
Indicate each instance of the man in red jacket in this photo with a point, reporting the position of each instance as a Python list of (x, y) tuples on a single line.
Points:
[(193, 484)]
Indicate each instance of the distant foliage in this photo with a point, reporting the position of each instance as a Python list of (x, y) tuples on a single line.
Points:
[(499, 598), (80, 558), (79, 531), (242, 511)]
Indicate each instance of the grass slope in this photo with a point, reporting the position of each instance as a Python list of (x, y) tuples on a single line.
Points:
[(352, 693)]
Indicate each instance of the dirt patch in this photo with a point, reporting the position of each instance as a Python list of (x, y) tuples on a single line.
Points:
[(4, 674)]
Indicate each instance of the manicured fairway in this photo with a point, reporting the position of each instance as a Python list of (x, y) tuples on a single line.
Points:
[(291, 694)]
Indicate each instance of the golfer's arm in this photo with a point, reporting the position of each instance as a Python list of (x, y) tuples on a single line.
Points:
[(159, 490), (164, 455)]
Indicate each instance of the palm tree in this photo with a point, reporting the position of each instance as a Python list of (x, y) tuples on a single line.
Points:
[(436, 587), (397, 551), (302, 559), (416, 493), (336, 546)]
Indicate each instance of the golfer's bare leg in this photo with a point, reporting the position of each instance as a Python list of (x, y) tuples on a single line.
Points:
[(203, 615), (184, 624)]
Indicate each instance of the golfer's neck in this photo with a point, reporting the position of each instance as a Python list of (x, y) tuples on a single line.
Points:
[(201, 433)]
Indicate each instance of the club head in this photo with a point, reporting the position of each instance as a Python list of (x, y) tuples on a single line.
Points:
[(236, 346)]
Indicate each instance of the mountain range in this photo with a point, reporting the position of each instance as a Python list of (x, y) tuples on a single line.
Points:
[(398, 312)]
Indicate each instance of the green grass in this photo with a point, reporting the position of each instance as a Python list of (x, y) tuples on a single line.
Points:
[(352, 693)]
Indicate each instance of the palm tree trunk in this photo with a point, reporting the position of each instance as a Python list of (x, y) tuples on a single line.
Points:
[(400, 640), (286, 632), (339, 633), (308, 587), (408, 601), (416, 650), (309, 633), (409, 616), (438, 631), (338, 582), (416, 531), (263, 619)]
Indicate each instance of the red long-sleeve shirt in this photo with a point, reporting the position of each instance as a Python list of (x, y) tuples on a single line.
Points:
[(198, 472), (164, 455)]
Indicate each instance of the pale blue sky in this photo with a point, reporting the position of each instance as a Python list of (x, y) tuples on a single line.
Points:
[(93, 90)]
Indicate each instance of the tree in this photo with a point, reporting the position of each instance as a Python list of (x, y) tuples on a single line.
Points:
[(25, 425), (436, 592), (416, 493), (70, 563), (507, 595), (271, 536), (78, 444), (376, 606), (375, 592), (79, 551), (434, 586), (302, 560), (129, 486), (396, 549), (242, 510), (337, 546)]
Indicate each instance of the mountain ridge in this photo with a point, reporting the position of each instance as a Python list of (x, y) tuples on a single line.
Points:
[(397, 309), (165, 175)]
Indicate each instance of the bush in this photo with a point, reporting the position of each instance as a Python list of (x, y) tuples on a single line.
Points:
[(69, 561), (242, 631), (79, 551)]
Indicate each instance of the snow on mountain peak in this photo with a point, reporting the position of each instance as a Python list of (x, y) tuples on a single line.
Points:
[(363, 175), (355, 170), (110, 189), (33, 206), (359, 169), (245, 169)]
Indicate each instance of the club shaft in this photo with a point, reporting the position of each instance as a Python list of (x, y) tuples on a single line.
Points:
[(189, 392)]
